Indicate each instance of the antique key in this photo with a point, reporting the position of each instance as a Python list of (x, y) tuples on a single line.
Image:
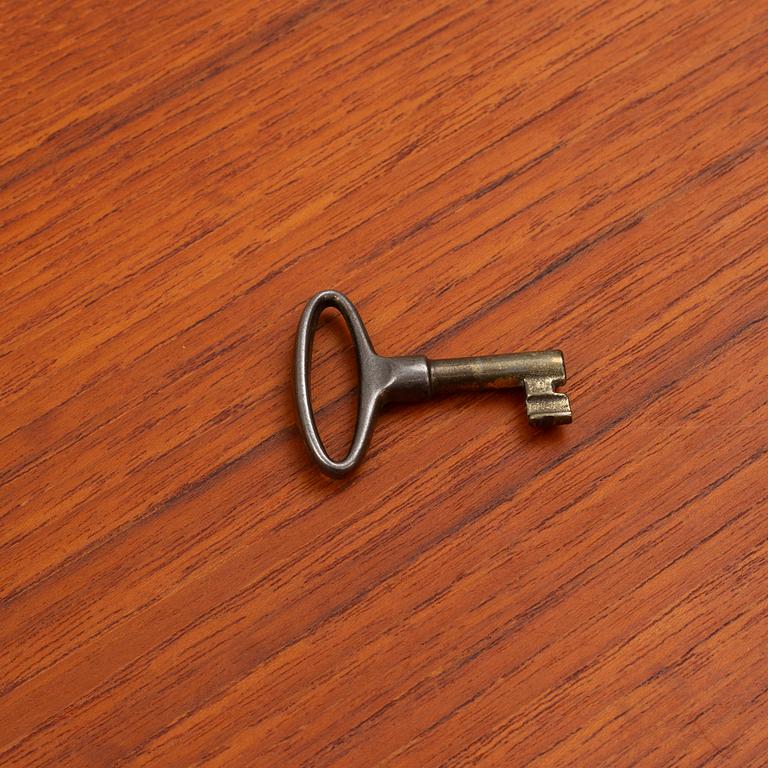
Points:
[(392, 379)]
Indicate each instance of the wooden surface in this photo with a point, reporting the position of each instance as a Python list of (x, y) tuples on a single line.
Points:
[(179, 586)]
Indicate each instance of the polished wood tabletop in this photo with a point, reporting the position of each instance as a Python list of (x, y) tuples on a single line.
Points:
[(179, 584)]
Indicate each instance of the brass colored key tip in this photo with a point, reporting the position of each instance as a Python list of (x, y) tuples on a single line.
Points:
[(548, 410), (544, 406)]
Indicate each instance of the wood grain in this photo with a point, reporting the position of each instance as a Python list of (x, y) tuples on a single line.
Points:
[(179, 586)]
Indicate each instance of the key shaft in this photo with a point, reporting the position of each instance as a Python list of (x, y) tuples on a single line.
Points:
[(537, 372)]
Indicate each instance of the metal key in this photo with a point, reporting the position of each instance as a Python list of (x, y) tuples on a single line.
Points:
[(392, 379)]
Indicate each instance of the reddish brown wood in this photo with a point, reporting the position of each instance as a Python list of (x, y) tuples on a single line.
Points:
[(179, 586)]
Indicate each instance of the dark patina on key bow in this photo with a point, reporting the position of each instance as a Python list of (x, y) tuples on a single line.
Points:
[(414, 377)]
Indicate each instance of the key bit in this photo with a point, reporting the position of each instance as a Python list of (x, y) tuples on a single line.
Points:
[(391, 379)]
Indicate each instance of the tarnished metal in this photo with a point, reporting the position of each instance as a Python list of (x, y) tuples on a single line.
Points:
[(389, 379)]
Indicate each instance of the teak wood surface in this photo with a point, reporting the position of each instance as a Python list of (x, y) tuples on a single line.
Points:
[(179, 586)]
